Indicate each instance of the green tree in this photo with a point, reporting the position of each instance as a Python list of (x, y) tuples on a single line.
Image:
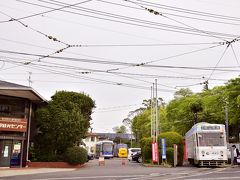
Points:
[(183, 92), (128, 120), (62, 123), (179, 114), (148, 103), (188, 108), (213, 102), (141, 125), (232, 100), (196, 107), (120, 129)]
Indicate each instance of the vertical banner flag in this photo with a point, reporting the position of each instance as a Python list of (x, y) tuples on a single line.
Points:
[(163, 143), (155, 152)]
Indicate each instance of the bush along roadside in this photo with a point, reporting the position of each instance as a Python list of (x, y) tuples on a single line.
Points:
[(171, 139), (76, 155)]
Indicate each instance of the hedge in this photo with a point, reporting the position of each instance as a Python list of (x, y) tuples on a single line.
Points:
[(146, 149), (171, 139)]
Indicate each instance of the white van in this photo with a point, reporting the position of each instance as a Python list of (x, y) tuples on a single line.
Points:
[(131, 151)]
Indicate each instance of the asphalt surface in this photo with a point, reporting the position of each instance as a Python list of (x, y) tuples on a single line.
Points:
[(115, 169)]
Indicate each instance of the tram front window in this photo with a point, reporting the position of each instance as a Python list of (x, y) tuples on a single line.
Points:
[(107, 147), (211, 139)]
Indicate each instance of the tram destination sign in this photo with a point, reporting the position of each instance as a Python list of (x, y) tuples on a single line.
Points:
[(210, 127), (13, 124)]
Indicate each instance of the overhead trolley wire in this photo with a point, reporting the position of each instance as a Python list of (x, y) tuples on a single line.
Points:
[(214, 69), (120, 63), (165, 76), (236, 58), (141, 80), (122, 16), (171, 14), (47, 66), (35, 66), (193, 12), (87, 71), (45, 12), (181, 54), (169, 57), (179, 22), (37, 31), (133, 21), (120, 45), (110, 14)]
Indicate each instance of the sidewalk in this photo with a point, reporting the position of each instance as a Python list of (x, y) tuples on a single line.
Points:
[(23, 171)]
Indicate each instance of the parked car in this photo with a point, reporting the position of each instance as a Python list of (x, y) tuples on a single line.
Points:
[(91, 156), (137, 156), (131, 151)]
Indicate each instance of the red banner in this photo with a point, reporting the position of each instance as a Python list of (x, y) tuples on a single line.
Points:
[(13, 124), (155, 152)]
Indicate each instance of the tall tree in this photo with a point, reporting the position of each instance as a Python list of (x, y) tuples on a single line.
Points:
[(195, 107), (63, 122), (233, 93)]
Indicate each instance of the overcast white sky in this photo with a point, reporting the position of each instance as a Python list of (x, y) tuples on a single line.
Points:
[(114, 37)]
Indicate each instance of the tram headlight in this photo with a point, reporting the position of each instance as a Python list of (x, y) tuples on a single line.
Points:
[(203, 152), (207, 153), (221, 152)]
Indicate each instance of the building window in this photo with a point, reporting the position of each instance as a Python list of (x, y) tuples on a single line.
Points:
[(5, 108), (92, 139)]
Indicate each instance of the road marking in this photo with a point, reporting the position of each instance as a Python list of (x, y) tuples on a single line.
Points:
[(197, 174), (227, 172), (150, 176), (185, 174), (227, 178), (92, 177)]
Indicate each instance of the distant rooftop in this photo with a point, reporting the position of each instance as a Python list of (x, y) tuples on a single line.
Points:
[(112, 136)]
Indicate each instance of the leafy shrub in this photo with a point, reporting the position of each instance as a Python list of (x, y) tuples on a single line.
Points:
[(171, 139), (43, 156), (146, 149), (170, 158), (76, 155)]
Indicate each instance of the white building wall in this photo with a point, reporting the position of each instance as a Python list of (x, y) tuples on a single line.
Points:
[(91, 144)]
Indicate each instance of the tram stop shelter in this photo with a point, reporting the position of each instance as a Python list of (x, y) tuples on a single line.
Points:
[(18, 105)]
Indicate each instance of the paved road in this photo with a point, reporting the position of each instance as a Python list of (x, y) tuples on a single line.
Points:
[(114, 170)]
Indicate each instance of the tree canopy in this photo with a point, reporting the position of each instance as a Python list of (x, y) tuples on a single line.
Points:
[(120, 129), (63, 122), (188, 108)]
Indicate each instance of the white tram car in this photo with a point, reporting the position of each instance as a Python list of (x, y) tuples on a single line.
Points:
[(206, 144)]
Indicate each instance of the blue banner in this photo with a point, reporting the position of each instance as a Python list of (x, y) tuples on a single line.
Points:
[(163, 144)]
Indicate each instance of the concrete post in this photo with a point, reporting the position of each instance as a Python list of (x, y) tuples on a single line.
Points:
[(175, 155)]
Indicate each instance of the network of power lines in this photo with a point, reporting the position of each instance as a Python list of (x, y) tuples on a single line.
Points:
[(35, 60)]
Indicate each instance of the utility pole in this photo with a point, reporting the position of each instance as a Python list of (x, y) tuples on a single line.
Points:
[(156, 116), (153, 119), (206, 85), (156, 112), (226, 116), (29, 79), (151, 112)]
